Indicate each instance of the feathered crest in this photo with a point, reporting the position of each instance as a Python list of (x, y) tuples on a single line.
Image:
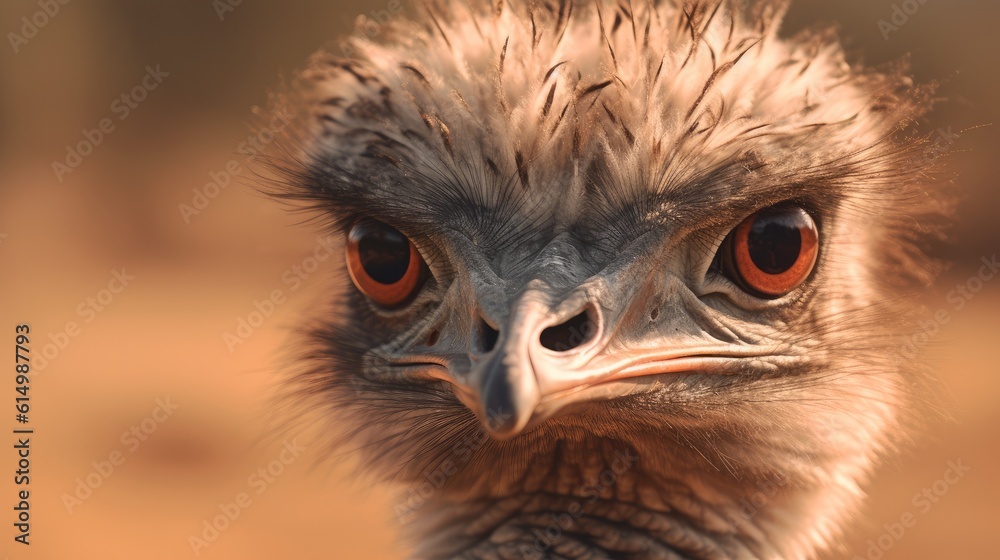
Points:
[(529, 114)]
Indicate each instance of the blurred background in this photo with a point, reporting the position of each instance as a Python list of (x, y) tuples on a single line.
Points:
[(147, 417)]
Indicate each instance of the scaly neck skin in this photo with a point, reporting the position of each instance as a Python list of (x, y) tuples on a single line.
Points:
[(601, 505)]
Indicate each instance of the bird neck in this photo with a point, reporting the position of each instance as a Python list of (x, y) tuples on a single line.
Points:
[(606, 504)]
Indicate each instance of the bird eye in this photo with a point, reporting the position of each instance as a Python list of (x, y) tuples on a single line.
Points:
[(383, 263), (772, 252)]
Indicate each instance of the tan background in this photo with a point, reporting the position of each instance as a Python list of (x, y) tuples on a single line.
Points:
[(162, 336)]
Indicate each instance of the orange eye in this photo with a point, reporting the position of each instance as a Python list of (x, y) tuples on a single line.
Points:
[(773, 251), (383, 263)]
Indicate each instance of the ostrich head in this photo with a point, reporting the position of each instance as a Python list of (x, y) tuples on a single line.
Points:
[(622, 279)]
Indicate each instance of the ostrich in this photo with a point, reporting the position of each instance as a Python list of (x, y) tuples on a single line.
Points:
[(620, 279)]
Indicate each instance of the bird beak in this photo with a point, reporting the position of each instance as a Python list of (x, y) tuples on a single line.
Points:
[(507, 387), (554, 353), (509, 382)]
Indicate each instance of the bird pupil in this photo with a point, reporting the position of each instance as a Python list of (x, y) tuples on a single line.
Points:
[(385, 254), (775, 242)]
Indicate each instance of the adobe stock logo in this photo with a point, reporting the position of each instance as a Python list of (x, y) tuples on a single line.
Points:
[(30, 26), (105, 468), (229, 512), (923, 502), (122, 106), (223, 7), (900, 15), (959, 297), (366, 27)]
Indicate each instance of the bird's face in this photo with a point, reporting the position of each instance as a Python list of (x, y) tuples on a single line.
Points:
[(571, 317), (579, 229)]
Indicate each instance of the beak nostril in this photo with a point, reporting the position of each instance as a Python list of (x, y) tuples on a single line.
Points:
[(486, 338), (571, 334)]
